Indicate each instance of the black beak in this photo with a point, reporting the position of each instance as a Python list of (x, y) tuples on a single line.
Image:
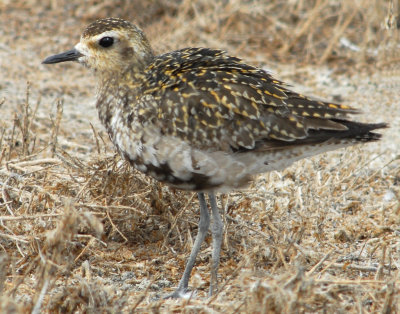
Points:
[(70, 55)]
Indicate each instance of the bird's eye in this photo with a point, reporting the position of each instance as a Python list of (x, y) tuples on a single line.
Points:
[(106, 42)]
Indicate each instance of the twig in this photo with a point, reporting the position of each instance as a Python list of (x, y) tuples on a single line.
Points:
[(56, 126), (355, 267), (36, 309), (388, 306), (17, 218), (13, 237), (83, 250), (312, 270), (252, 229), (142, 296), (111, 207), (176, 220), (112, 224), (379, 272), (234, 274), (353, 282), (35, 162), (16, 239), (6, 197), (83, 236), (305, 27), (26, 122), (95, 135), (340, 28), (282, 257)]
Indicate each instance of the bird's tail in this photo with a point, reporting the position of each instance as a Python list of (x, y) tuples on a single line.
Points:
[(358, 131)]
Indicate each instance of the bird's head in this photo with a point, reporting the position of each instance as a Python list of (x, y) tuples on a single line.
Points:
[(109, 46)]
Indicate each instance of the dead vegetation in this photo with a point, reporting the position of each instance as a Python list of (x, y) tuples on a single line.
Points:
[(82, 232)]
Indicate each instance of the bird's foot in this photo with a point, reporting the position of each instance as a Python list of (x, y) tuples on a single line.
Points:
[(180, 293)]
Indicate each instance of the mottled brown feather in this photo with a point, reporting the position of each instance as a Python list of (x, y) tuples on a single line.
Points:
[(200, 119)]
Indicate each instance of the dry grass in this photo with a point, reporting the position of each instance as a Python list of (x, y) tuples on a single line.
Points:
[(82, 232)]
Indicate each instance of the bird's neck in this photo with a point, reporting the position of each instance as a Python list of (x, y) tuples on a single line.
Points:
[(114, 83), (116, 93)]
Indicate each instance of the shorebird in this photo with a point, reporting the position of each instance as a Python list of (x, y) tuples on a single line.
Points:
[(201, 120)]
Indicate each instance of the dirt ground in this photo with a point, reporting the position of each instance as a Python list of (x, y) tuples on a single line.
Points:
[(82, 232)]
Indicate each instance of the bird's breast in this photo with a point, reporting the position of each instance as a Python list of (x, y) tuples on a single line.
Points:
[(168, 158)]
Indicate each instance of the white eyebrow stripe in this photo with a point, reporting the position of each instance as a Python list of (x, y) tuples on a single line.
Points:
[(112, 33)]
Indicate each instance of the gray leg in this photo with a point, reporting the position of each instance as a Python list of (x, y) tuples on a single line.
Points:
[(204, 224), (217, 229)]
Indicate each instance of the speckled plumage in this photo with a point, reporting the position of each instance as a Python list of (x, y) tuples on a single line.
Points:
[(199, 119)]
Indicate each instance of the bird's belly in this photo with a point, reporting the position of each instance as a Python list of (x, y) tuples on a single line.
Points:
[(183, 179), (164, 160), (173, 161)]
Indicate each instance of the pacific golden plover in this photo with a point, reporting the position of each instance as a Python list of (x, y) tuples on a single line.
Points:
[(201, 120)]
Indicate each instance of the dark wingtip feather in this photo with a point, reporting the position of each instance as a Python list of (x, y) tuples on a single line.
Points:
[(356, 130), (371, 136)]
